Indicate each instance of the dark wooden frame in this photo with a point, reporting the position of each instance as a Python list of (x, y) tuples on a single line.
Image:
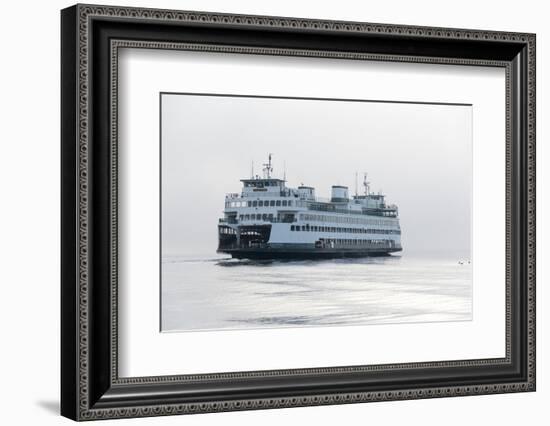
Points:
[(90, 386)]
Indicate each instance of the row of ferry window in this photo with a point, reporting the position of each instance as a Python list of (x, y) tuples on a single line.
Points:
[(314, 228), (344, 219), (353, 241), (260, 203), (258, 216), (228, 231)]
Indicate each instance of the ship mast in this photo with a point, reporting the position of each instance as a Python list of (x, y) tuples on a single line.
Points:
[(268, 169)]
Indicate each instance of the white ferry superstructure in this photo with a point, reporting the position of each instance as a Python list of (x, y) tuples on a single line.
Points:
[(268, 220)]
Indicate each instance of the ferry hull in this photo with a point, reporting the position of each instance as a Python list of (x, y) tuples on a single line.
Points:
[(268, 253)]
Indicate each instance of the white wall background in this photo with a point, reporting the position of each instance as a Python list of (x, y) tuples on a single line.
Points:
[(29, 214)]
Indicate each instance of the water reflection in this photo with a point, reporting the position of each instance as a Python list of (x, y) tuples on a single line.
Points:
[(208, 293)]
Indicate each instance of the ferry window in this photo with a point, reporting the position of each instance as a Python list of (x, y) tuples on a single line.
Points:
[(264, 216), (292, 227), (260, 203), (297, 227), (247, 217), (278, 203), (272, 203), (254, 203), (284, 203), (270, 216), (289, 203)]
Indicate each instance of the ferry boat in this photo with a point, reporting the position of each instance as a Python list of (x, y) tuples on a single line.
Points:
[(268, 220)]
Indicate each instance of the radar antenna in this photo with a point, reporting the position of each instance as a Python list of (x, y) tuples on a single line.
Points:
[(268, 169), (366, 184)]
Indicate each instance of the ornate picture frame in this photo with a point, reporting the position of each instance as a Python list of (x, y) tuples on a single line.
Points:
[(91, 37)]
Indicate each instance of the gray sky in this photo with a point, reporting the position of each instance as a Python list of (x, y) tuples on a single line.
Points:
[(420, 156)]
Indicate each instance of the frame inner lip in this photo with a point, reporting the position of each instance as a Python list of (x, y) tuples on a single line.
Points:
[(506, 361)]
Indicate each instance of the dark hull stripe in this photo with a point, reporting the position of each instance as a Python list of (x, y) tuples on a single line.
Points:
[(305, 253)]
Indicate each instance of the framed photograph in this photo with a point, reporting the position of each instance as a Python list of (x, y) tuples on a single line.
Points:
[(263, 212)]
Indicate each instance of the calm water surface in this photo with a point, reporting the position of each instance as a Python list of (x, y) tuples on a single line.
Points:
[(215, 292)]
